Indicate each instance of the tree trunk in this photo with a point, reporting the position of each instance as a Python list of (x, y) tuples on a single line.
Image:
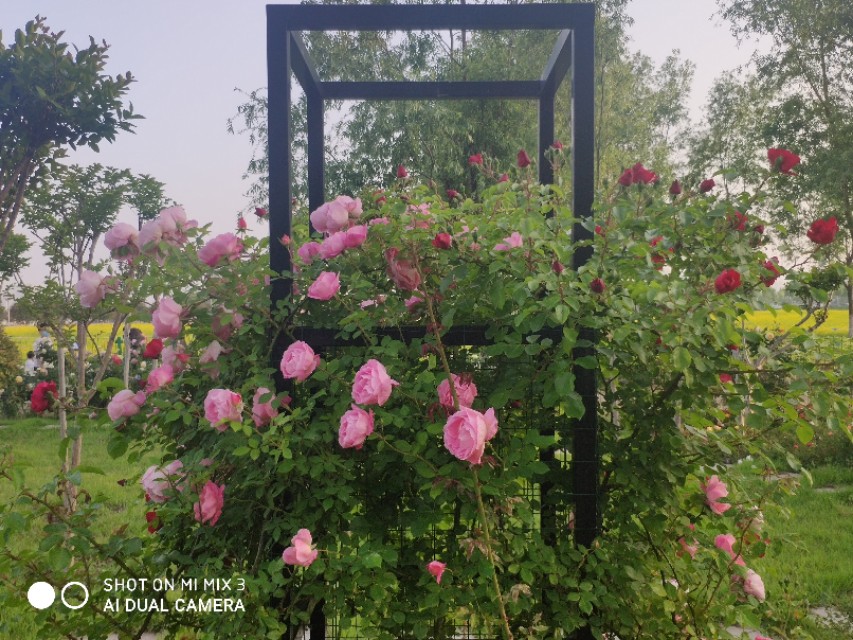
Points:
[(77, 450), (70, 493)]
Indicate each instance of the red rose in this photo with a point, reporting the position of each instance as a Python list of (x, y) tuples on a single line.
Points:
[(442, 241), (726, 378), (557, 267), (738, 221), (154, 524), (557, 145), (241, 223), (627, 178), (823, 231), (477, 158), (523, 159), (597, 286), (39, 399), (599, 230), (728, 280), (783, 160), (153, 349), (638, 174), (260, 212), (504, 178), (770, 265), (401, 172), (452, 193), (706, 185), (675, 188), (117, 360)]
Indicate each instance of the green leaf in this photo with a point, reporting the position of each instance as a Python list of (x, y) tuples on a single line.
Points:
[(59, 558), (372, 561), (805, 433), (681, 358)]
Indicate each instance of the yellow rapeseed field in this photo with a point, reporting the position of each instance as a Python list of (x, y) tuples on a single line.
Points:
[(24, 335)]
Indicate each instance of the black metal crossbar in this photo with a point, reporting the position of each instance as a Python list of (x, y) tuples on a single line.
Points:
[(572, 55)]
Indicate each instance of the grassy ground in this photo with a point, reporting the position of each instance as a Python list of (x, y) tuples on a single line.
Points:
[(25, 334)]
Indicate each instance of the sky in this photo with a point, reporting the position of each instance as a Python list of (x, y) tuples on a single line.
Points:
[(190, 57)]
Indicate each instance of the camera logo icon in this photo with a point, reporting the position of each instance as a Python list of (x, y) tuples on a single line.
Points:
[(41, 595)]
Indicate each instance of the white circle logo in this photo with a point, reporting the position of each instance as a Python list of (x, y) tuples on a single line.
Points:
[(41, 595), (74, 606)]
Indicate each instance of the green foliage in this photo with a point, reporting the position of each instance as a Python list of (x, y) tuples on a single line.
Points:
[(11, 367)]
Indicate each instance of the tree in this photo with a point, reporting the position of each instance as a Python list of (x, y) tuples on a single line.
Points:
[(146, 195), (804, 89), (51, 99)]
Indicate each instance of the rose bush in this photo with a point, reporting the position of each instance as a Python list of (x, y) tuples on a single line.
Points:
[(388, 454)]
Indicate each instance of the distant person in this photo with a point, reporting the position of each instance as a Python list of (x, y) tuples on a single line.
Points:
[(31, 365)]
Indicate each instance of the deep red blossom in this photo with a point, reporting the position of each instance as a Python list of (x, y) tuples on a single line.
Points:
[(770, 265), (727, 281), (154, 524), (823, 231), (476, 159), (402, 172), (706, 185), (597, 286), (783, 160), (260, 212), (638, 174), (504, 178), (675, 188), (442, 241), (738, 221), (153, 349), (241, 223), (557, 267), (40, 397), (452, 193), (523, 159), (557, 145)]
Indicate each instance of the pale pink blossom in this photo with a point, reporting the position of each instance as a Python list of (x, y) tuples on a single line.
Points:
[(300, 553), (355, 236), (122, 241), (225, 323), (175, 357), (222, 406), (91, 288), (263, 412), (307, 251), (211, 353), (753, 585), (352, 205), (325, 287), (689, 548), (436, 570), (715, 489), (299, 361), (402, 272), (512, 242), (467, 431), (356, 425), (726, 543), (174, 225), (329, 217), (382, 220), (167, 318), (372, 384), (125, 404), (210, 502), (159, 377), (413, 302), (158, 479), (465, 388), (333, 246), (225, 246)]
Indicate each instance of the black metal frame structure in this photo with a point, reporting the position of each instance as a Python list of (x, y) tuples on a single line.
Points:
[(573, 53)]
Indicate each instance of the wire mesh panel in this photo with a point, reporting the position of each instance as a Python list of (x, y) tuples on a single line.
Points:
[(563, 492)]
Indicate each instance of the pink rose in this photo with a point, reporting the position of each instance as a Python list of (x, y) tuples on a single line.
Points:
[(175, 358), (467, 431), (222, 406), (512, 242), (352, 205), (382, 220), (715, 489), (307, 251), (298, 361), (156, 480), (356, 425), (225, 245), (263, 412), (333, 246), (355, 236), (466, 391), (372, 384), (436, 570), (167, 318), (726, 543), (125, 404), (401, 272), (210, 501), (413, 302), (92, 288), (753, 585), (325, 287), (211, 353), (300, 553), (150, 235), (159, 377), (329, 217), (226, 323), (689, 548), (174, 224), (122, 241)]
